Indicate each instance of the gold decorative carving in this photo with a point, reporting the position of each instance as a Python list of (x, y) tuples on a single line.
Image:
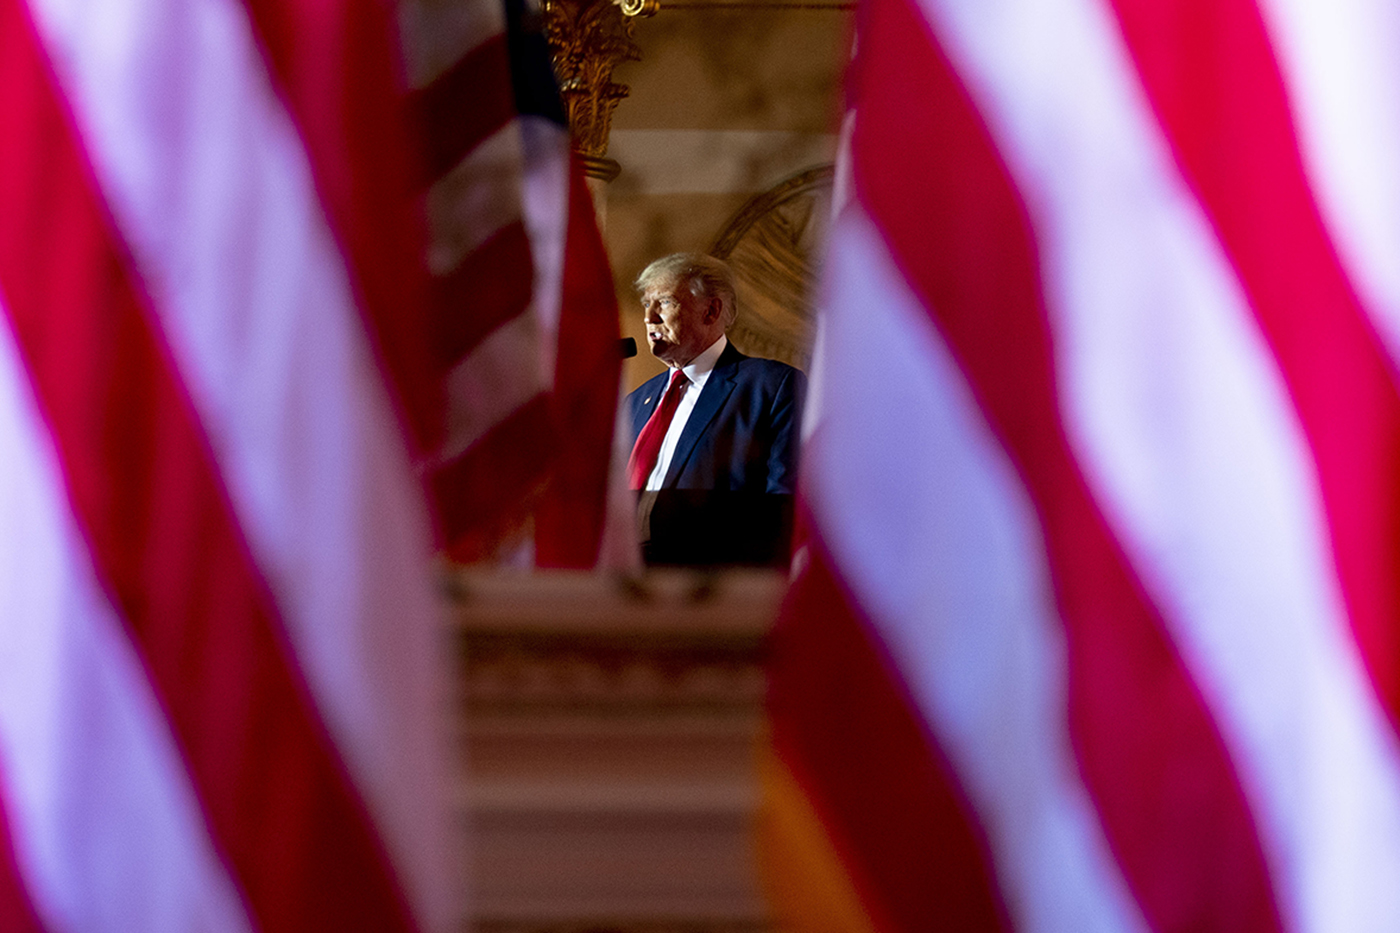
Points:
[(640, 7), (588, 39)]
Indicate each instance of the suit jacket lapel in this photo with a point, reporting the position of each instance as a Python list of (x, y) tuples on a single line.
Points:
[(712, 398), (647, 401)]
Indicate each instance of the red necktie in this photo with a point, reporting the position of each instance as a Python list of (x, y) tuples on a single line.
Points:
[(648, 446)]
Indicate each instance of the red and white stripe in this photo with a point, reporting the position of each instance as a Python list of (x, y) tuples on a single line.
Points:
[(486, 334), (223, 694), (106, 819), (1101, 467), (519, 273)]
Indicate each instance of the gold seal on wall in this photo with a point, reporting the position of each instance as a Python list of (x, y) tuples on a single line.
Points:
[(773, 244)]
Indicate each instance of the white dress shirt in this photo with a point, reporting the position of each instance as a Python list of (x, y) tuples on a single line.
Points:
[(697, 371)]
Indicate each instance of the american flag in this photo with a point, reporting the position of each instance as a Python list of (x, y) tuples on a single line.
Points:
[(519, 274), (222, 693), (1098, 625)]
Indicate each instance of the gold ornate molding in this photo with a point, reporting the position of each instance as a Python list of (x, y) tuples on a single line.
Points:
[(640, 7), (588, 39)]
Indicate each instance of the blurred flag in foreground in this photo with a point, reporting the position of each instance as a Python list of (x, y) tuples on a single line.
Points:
[(526, 324), (1099, 623), (220, 699)]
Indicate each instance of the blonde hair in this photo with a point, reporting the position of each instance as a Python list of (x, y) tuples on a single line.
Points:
[(705, 277)]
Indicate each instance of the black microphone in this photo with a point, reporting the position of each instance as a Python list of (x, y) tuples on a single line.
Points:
[(627, 346)]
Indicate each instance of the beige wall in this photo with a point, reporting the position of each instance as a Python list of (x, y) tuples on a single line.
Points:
[(725, 103)]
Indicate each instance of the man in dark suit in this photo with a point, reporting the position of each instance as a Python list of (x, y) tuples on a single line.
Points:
[(715, 437)]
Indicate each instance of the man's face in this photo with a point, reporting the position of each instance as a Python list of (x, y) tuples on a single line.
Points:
[(680, 326)]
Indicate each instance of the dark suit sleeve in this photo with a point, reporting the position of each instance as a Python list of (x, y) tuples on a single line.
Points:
[(787, 428)]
